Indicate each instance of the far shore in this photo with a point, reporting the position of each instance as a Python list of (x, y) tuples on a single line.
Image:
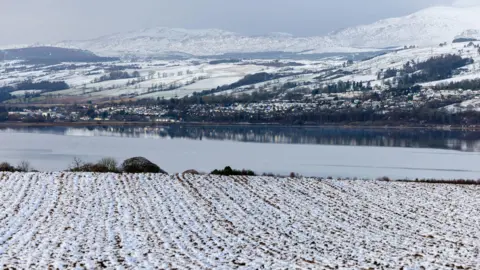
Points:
[(151, 124)]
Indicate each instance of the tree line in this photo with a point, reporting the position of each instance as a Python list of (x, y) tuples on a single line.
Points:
[(433, 69), (45, 86), (117, 75), (465, 84), (247, 80), (418, 116)]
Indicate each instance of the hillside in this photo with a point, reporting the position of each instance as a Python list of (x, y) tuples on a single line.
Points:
[(162, 41), (86, 221), (182, 78), (41, 54), (427, 27), (368, 70)]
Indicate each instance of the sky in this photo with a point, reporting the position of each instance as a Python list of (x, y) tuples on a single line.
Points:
[(44, 21)]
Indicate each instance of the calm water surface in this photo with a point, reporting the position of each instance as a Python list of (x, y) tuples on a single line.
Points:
[(309, 151)]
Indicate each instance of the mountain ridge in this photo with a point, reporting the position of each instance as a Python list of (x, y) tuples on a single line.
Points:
[(427, 27), (423, 28)]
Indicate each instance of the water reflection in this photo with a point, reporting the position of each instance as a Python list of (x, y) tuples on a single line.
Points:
[(414, 138)]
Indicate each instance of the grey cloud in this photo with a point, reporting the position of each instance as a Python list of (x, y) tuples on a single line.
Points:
[(29, 21)]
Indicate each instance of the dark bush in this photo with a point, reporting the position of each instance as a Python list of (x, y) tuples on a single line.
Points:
[(103, 166), (90, 167), (295, 175), (229, 171), (140, 165), (6, 167)]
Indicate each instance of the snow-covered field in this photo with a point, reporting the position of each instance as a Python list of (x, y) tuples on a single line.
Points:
[(366, 71), (180, 78), (159, 78), (68, 220)]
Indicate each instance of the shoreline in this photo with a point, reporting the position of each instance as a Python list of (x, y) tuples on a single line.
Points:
[(207, 124)]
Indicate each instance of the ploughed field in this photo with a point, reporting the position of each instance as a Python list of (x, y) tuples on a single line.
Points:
[(85, 220)]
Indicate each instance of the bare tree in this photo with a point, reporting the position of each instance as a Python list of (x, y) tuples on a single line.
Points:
[(109, 163), (76, 163), (24, 166), (151, 74)]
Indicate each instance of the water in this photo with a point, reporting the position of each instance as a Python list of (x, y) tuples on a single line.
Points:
[(280, 150)]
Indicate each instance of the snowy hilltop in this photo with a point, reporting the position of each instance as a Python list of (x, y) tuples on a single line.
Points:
[(426, 27), (162, 40)]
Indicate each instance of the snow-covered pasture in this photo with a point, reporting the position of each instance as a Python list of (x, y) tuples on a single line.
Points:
[(68, 220), (366, 71), (157, 78), (179, 75)]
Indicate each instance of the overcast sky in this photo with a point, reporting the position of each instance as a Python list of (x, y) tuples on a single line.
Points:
[(29, 21)]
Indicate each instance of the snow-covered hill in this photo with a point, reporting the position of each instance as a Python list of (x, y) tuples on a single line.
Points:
[(427, 27), (424, 28), (161, 40)]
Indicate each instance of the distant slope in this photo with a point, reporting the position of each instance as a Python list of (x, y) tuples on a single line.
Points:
[(167, 41), (51, 54), (424, 28)]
